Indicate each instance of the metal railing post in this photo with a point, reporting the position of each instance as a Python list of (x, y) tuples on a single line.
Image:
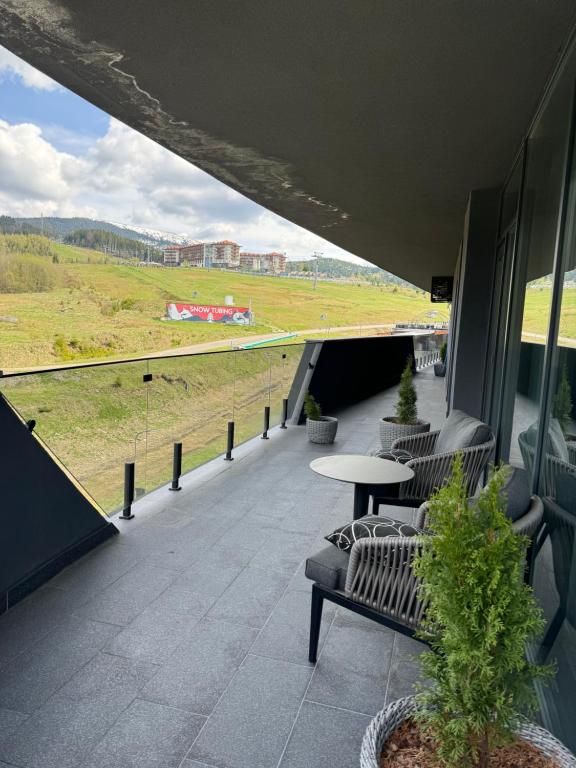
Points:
[(230, 442), (176, 467), (266, 422), (284, 414), (129, 472)]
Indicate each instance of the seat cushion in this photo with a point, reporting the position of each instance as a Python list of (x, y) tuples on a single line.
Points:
[(461, 431), (556, 444), (369, 527), (516, 492), (328, 567)]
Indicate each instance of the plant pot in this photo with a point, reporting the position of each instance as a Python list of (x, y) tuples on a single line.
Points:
[(440, 369), (390, 430), (322, 430), (392, 716)]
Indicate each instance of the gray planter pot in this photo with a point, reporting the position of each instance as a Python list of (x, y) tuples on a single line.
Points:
[(391, 431), (440, 369), (392, 716), (322, 431)]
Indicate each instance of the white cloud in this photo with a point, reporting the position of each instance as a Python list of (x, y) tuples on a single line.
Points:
[(32, 78), (123, 176)]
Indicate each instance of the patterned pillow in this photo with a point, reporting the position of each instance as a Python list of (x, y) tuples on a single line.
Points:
[(371, 527)]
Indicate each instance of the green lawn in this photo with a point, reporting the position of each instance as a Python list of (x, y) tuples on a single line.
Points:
[(104, 310)]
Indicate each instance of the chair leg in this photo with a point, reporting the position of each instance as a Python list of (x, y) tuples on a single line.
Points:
[(315, 623), (375, 505)]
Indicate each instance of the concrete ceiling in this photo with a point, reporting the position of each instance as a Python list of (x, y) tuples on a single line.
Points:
[(365, 121)]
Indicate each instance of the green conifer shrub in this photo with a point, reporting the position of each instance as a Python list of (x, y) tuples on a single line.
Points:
[(443, 352), (312, 408), (406, 410), (481, 616), (562, 409)]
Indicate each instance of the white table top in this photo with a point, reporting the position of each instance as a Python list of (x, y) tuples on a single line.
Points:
[(364, 470)]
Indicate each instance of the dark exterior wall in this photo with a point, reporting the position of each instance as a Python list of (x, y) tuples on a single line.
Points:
[(350, 370), (474, 298), (47, 520)]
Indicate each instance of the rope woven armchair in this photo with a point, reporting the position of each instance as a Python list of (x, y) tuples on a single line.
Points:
[(376, 579), (432, 463), (554, 465)]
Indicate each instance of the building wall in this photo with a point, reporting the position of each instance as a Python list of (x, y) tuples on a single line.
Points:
[(515, 342)]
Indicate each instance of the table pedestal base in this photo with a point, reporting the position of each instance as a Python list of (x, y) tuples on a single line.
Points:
[(363, 492)]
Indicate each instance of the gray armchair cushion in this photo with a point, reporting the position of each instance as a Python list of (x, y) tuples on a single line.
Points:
[(461, 431), (516, 491), (328, 567), (556, 444)]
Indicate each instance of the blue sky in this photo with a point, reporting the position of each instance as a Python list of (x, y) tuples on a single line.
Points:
[(61, 156)]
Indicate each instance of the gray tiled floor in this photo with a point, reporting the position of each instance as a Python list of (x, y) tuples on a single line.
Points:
[(182, 643)]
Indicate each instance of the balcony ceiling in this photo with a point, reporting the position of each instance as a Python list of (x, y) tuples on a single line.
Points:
[(365, 122)]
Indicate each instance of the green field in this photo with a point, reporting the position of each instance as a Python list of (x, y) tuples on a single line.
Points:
[(105, 310)]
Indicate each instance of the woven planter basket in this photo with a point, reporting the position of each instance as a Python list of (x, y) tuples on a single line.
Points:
[(392, 716), (322, 430), (391, 431)]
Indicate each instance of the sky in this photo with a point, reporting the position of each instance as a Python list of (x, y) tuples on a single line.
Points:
[(61, 156)]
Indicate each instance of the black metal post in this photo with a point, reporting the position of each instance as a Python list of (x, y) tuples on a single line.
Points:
[(230, 442), (284, 414), (129, 471), (266, 422), (176, 467)]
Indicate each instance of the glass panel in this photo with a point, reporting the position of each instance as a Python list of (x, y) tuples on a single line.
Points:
[(190, 401), (555, 569), (545, 156), (90, 417)]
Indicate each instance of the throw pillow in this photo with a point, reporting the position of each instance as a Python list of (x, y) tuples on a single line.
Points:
[(371, 527)]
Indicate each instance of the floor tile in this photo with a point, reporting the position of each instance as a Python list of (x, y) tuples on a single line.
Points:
[(122, 601), (286, 633), (325, 738), (352, 670), (70, 724), (253, 719), (26, 623), (28, 682), (251, 597), (283, 551), (9, 721), (147, 735), (199, 671), (167, 623)]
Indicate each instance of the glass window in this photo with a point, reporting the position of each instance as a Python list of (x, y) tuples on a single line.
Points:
[(542, 192), (555, 569)]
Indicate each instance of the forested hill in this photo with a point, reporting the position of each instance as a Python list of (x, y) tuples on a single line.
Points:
[(336, 268), (115, 245)]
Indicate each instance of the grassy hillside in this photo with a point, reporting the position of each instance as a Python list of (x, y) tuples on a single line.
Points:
[(95, 308)]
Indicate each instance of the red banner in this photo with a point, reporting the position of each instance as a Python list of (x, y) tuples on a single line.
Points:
[(207, 313)]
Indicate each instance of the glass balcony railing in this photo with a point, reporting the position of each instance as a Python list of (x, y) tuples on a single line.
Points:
[(97, 417)]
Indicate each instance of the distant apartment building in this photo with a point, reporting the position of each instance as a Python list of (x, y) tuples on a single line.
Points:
[(171, 256), (263, 262), (223, 254)]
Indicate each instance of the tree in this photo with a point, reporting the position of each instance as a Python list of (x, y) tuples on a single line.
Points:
[(479, 619), (406, 409)]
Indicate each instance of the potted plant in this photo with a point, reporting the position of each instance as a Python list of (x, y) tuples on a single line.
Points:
[(406, 421), (319, 429), (480, 617), (440, 368)]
